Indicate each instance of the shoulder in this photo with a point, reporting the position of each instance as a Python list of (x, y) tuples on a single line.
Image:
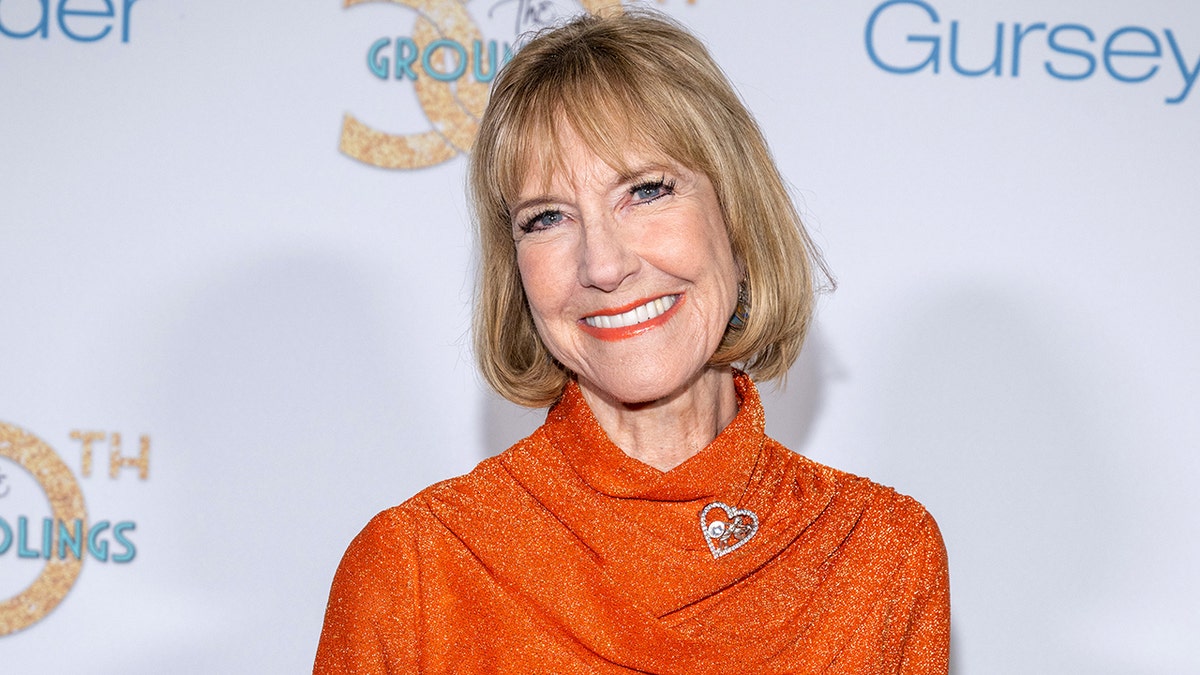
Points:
[(489, 485), (375, 564), (886, 552), (876, 494), (499, 485), (371, 600), (398, 533), (888, 517), (386, 552), (374, 602)]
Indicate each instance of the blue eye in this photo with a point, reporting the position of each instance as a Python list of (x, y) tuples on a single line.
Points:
[(542, 221), (652, 190)]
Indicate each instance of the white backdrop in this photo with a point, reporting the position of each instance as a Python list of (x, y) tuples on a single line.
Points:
[(186, 256)]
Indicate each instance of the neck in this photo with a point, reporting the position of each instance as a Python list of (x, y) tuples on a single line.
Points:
[(666, 432)]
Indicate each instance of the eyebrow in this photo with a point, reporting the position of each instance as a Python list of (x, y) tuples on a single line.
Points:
[(623, 177), (638, 173), (533, 201)]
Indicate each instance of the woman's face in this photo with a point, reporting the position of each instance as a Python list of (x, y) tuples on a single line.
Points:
[(630, 278)]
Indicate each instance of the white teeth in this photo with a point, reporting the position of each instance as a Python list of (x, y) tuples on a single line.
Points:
[(637, 315)]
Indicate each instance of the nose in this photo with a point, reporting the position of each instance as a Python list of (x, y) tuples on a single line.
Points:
[(605, 258)]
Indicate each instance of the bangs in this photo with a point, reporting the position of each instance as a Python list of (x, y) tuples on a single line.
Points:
[(601, 100)]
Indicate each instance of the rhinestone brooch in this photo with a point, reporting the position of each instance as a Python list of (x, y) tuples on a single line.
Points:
[(726, 528)]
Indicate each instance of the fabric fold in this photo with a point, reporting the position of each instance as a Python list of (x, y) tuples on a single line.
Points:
[(565, 555)]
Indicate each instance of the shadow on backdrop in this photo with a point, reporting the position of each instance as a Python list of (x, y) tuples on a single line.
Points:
[(993, 408), (272, 376)]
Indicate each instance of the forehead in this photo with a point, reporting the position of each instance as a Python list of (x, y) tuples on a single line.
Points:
[(564, 158)]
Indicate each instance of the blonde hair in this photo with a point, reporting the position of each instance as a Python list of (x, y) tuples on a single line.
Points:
[(616, 80)]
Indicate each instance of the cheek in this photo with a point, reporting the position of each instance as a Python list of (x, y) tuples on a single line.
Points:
[(726, 273), (709, 252), (695, 239), (541, 279)]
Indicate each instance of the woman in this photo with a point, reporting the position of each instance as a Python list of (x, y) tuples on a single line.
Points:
[(637, 241)]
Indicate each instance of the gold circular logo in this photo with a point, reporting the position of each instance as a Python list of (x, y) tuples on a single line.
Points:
[(453, 111), (66, 501)]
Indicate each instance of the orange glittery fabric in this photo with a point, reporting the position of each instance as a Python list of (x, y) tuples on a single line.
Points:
[(564, 555)]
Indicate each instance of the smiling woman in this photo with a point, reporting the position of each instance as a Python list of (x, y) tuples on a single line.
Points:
[(637, 243), (601, 252)]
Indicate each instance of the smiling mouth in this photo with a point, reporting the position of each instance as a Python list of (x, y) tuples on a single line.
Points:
[(640, 314)]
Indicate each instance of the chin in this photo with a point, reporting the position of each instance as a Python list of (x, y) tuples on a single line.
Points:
[(649, 387)]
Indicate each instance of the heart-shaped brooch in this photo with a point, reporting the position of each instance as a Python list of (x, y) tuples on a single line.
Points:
[(726, 528)]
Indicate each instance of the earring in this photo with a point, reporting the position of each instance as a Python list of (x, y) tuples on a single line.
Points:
[(741, 313)]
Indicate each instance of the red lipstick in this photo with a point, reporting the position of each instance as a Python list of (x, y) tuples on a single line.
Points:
[(609, 333)]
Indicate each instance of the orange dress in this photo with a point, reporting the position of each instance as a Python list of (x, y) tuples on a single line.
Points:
[(564, 555)]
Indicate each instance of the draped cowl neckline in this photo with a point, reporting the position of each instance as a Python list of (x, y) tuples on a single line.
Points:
[(721, 469), (564, 554), (641, 525)]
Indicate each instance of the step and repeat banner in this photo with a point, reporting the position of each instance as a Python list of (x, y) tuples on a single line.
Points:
[(236, 272)]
